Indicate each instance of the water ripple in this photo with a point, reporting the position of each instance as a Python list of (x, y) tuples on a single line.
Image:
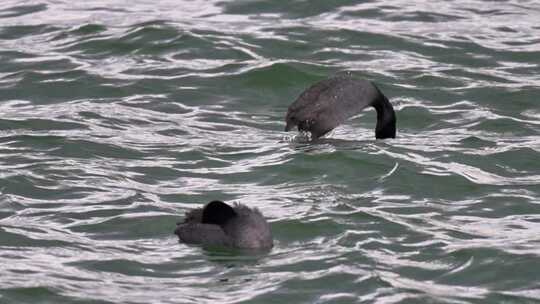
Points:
[(117, 118)]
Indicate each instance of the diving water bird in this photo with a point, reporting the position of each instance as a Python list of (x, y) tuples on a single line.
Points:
[(330, 102), (218, 224)]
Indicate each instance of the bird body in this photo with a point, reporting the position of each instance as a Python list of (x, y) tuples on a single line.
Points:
[(330, 102), (222, 225)]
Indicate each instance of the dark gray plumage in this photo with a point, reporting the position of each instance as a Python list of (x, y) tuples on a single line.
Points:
[(330, 102), (220, 224)]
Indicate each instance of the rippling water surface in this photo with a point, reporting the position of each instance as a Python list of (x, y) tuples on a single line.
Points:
[(116, 117)]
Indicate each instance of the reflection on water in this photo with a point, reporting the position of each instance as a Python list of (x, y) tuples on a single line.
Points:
[(117, 118)]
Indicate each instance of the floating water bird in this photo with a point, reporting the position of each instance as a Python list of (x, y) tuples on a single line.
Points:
[(218, 224), (330, 102)]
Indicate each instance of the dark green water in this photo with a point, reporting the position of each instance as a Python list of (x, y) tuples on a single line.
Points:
[(116, 117)]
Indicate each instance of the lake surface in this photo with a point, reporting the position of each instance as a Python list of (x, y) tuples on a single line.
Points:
[(117, 117)]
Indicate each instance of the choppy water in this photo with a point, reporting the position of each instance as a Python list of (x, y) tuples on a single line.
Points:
[(116, 117)]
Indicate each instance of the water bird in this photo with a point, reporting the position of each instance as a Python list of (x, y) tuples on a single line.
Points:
[(330, 102), (218, 224)]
